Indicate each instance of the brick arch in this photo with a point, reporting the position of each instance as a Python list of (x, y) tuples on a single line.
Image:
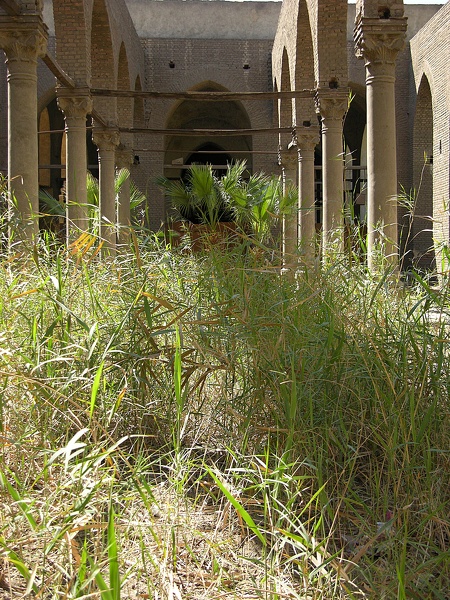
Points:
[(422, 224), (189, 114), (102, 59), (304, 63), (124, 105), (72, 32), (314, 33), (286, 113), (188, 111), (425, 72), (286, 40)]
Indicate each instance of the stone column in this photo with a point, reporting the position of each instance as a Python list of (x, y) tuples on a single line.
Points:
[(107, 141), (379, 41), (76, 105), (307, 141), (332, 107), (288, 160), (124, 159), (23, 40)]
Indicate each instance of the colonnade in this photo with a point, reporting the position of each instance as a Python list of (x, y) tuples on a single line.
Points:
[(299, 232), (378, 42), (299, 226), (24, 40)]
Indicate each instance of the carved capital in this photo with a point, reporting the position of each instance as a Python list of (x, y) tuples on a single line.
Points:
[(307, 139), (288, 159), (75, 106), (106, 139), (379, 41), (23, 40), (124, 156), (331, 106)]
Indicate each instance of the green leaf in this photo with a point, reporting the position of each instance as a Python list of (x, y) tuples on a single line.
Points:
[(114, 577), (24, 507), (239, 508), (105, 591), (95, 387), (14, 559)]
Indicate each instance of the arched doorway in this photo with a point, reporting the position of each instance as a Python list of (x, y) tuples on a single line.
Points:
[(210, 154), (215, 148)]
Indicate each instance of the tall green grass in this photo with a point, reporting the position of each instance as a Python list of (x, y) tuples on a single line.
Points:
[(183, 425)]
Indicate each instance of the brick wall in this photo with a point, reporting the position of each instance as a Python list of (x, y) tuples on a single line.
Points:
[(213, 53), (185, 64), (3, 116), (430, 55)]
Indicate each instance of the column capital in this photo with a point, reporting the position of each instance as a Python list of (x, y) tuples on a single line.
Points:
[(124, 156), (24, 39), (307, 138), (332, 105), (75, 104), (288, 158), (378, 42), (106, 139)]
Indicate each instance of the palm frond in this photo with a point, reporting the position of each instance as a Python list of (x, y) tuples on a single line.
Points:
[(121, 176)]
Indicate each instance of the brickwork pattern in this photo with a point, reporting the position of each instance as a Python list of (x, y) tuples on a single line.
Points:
[(3, 116), (404, 124), (326, 21), (331, 33), (180, 65), (294, 48), (96, 42), (423, 173), (430, 56)]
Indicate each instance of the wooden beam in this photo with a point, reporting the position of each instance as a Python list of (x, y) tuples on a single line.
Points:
[(58, 71), (99, 119), (207, 132), (202, 96), (190, 166), (264, 152), (11, 7)]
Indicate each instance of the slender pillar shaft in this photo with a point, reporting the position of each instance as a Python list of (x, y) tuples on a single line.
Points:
[(23, 41), (332, 109), (289, 165), (379, 41), (307, 141), (107, 142), (76, 108), (124, 159)]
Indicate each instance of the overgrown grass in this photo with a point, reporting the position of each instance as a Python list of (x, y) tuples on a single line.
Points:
[(200, 426)]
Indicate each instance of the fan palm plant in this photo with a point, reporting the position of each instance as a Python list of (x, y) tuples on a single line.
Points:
[(199, 199), (52, 207), (253, 203)]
